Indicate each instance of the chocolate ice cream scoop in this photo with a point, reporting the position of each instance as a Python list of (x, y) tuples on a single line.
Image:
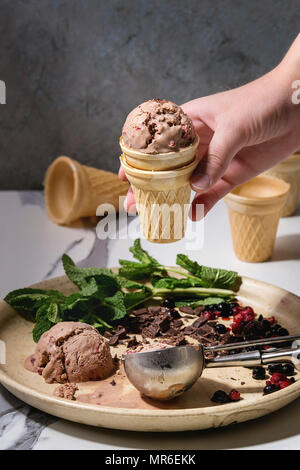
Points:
[(72, 352), (158, 126)]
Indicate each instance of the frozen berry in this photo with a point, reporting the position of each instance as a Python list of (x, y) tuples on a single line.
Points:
[(209, 315), (277, 377), (275, 367), (271, 320), (236, 310), (234, 395), (238, 318), (288, 369), (270, 388), (266, 325), (217, 313), (259, 373), (284, 383), (169, 303), (282, 332), (235, 328), (220, 328), (220, 397), (224, 308)]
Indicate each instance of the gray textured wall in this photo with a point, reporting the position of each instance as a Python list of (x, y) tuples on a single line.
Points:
[(75, 68)]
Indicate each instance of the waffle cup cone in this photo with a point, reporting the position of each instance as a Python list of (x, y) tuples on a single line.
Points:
[(73, 190), (289, 170), (254, 210), (160, 161), (162, 200)]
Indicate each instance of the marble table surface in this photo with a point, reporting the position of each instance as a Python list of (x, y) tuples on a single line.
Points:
[(30, 250)]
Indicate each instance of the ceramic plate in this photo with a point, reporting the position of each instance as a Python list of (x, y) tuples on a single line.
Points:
[(193, 410)]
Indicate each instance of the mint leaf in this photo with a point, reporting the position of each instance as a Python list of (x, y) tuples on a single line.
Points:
[(53, 313), (209, 277), (42, 323), (79, 276), (116, 305), (191, 266), (219, 278), (142, 255), (135, 271)]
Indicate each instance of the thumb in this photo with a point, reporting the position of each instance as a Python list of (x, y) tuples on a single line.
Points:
[(223, 146)]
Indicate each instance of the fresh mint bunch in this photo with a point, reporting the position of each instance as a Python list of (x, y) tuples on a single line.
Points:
[(105, 297)]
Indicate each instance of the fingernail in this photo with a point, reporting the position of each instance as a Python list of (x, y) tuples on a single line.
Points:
[(200, 182)]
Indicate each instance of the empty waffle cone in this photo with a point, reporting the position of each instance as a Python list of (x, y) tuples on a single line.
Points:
[(162, 199), (160, 161), (254, 210), (289, 171), (73, 190)]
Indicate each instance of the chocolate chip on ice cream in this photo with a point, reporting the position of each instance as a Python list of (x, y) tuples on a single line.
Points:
[(72, 352), (158, 126)]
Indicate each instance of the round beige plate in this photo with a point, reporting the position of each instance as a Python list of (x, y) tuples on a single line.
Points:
[(194, 410)]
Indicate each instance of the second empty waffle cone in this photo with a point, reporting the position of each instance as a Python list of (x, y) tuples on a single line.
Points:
[(73, 190), (289, 171), (162, 199), (254, 210)]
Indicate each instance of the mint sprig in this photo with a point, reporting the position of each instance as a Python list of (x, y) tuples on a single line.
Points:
[(105, 297)]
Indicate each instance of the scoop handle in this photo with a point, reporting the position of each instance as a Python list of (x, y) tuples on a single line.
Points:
[(256, 358), (255, 342)]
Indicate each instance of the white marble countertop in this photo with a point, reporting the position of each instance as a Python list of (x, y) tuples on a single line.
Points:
[(30, 250)]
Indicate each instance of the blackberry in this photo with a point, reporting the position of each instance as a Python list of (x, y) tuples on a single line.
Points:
[(221, 329), (224, 308), (270, 388), (220, 397), (259, 373), (169, 303), (282, 332), (288, 368), (266, 325), (275, 367)]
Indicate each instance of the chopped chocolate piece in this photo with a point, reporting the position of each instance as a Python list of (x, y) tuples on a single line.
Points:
[(172, 332), (180, 340), (163, 322), (199, 322), (189, 330), (187, 309), (176, 323), (154, 309), (113, 382), (205, 330), (175, 314), (199, 310), (140, 311), (120, 331), (132, 342), (113, 341), (150, 331), (107, 334)]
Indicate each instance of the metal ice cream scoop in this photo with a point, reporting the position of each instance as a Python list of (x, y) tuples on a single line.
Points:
[(164, 374)]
